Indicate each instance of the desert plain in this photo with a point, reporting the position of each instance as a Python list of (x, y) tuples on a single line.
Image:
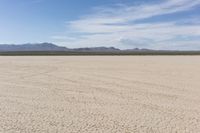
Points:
[(100, 94)]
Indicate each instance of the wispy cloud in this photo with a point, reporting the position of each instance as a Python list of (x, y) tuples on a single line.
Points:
[(117, 26)]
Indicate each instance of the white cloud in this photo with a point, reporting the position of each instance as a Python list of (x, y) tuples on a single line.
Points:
[(116, 26)]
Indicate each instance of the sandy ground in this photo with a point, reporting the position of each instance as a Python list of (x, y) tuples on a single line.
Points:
[(149, 94)]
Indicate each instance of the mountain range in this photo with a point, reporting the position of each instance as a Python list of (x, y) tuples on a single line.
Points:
[(53, 47)]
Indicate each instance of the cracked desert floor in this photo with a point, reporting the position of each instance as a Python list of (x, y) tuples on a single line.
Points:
[(100, 94)]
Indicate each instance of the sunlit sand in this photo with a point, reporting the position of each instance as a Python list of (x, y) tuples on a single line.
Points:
[(108, 94)]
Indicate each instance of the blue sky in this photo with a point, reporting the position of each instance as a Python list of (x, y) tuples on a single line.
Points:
[(155, 24)]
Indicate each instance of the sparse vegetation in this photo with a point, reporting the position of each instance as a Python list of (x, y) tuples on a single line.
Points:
[(68, 53)]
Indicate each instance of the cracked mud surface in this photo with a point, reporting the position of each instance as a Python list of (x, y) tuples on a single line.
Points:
[(107, 94)]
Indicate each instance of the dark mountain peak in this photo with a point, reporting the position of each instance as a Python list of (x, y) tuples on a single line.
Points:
[(32, 47), (45, 44)]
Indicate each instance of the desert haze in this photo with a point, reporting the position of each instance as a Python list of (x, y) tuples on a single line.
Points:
[(107, 94)]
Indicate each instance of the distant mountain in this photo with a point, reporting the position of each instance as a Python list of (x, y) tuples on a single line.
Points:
[(97, 49), (32, 47), (137, 49), (53, 47)]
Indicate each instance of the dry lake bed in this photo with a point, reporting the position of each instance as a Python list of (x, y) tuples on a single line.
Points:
[(103, 94)]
